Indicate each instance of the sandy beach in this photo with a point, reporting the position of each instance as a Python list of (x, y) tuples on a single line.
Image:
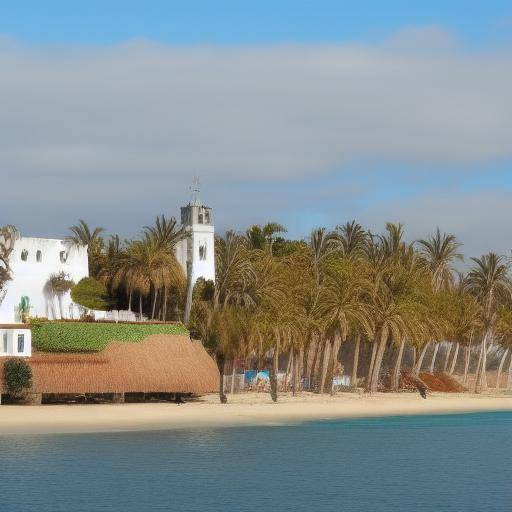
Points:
[(243, 410)]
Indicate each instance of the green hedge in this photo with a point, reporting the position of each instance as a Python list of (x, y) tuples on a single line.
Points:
[(17, 376), (92, 337)]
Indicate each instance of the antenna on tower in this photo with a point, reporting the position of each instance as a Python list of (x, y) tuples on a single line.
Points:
[(194, 191)]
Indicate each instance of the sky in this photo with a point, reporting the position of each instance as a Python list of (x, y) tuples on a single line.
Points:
[(309, 113)]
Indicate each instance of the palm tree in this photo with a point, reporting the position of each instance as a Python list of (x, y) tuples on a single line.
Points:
[(489, 281), (440, 250), (83, 235), (263, 238), (353, 239), (234, 271), (147, 267), (165, 235), (60, 284), (397, 304), (342, 303), (7, 238)]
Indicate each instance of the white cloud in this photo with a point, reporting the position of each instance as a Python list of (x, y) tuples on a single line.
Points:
[(480, 220), (119, 131)]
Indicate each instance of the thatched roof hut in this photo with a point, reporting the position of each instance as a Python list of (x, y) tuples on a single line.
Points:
[(160, 364)]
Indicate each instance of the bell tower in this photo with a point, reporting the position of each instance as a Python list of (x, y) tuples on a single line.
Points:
[(197, 254)]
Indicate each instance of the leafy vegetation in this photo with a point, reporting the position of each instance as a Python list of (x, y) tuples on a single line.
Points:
[(347, 300), (93, 336), (17, 377), (7, 238), (90, 294)]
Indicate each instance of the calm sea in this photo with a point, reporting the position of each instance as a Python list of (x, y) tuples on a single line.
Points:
[(438, 463)]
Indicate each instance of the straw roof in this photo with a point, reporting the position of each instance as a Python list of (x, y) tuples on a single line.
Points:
[(162, 363)]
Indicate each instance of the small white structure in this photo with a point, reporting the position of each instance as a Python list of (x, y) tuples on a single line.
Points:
[(33, 261), (15, 340), (197, 251)]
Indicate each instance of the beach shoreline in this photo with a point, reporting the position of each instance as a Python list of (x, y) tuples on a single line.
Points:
[(248, 409)]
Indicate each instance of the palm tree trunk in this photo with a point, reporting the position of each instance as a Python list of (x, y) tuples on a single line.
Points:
[(372, 363), (466, 362), (325, 363), (500, 368), (395, 379), (59, 300), (334, 356), (300, 368), (130, 300), (315, 376), (154, 304), (433, 361), (188, 302), (233, 374), (447, 357), (275, 370), (477, 369), (353, 378), (509, 378), (381, 348), (164, 309), (314, 363), (454, 360), (481, 382), (289, 368), (293, 357), (221, 360), (296, 372), (140, 306), (417, 367)]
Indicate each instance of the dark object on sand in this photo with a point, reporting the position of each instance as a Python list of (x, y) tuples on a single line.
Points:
[(411, 381), (178, 399)]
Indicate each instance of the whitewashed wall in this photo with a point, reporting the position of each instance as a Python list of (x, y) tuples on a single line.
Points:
[(31, 278), (199, 247), (15, 342)]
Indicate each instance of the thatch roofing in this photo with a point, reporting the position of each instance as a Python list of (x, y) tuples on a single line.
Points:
[(162, 363)]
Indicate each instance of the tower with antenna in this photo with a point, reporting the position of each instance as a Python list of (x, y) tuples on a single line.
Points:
[(196, 253)]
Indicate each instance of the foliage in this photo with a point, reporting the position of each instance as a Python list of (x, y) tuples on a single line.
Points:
[(90, 294), (61, 283), (17, 376), (24, 308), (7, 238), (305, 299), (93, 336)]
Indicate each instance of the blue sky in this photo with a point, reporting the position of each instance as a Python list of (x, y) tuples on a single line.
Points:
[(478, 23), (305, 112)]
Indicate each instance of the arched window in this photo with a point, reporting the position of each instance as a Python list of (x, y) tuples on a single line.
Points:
[(202, 252), (63, 256), (39, 256), (24, 255)]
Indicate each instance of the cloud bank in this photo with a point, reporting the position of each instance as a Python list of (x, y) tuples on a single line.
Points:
[(115, 134)]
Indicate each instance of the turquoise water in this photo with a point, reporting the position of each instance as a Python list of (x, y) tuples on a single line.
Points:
[(436, 463)]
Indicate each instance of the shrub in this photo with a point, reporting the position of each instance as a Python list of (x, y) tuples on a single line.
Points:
[(93, 336), (17, 376), (61, 283), (90, 294)]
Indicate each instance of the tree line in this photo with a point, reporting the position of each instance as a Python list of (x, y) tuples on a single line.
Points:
[(346, 298)]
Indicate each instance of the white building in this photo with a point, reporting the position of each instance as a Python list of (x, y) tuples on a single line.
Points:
[(198, 249), (33, 261), (15, 340)]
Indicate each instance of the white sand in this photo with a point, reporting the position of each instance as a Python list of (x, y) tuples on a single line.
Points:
[(243, 410)]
